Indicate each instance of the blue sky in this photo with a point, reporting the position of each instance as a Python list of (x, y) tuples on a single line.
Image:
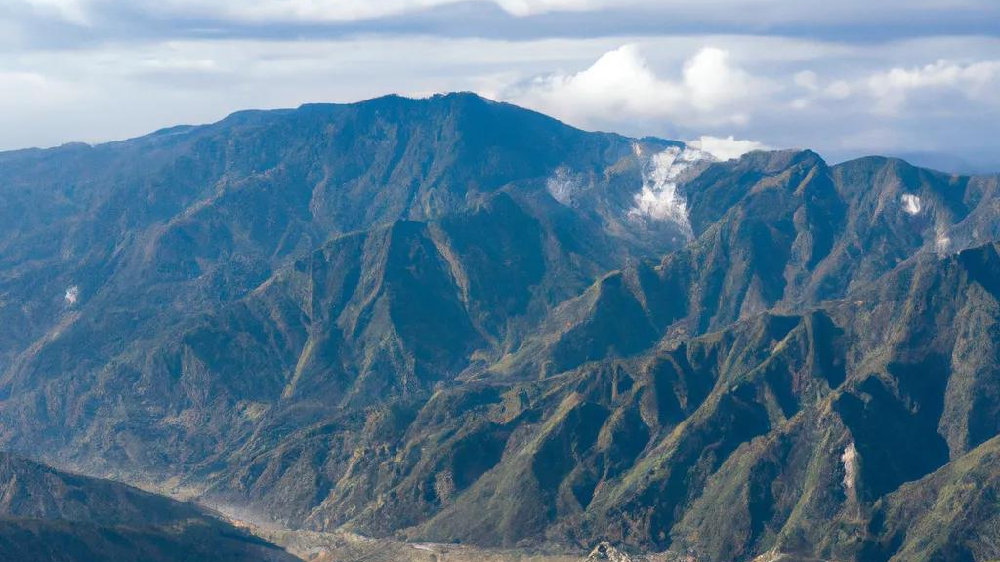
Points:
[(846, 78)]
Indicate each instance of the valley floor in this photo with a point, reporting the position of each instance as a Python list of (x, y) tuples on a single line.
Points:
[(342, 546)]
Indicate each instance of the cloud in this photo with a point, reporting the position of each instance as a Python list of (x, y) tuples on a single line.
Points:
[(44, 92), (74, 11), (758, 12), (807, 79), (944, 88), (978, 80), (532, 7), (306, 10), (779, 91), (726, 148), (620, 80), (81, 11), (710, 90), (712, 82)]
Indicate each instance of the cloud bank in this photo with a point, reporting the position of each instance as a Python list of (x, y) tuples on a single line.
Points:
[(846, 78), (726, 148)]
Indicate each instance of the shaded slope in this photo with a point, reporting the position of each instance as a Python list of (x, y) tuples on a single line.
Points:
[(47, 515)]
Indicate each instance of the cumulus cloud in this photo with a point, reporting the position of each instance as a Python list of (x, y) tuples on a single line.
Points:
[(621, 82), (726, 148), (712, 81)]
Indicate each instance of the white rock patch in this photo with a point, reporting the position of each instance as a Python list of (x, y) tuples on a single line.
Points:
[(72, 295), (562, 185), (661, 175), (942, 243), (911, 203), (850, 460)]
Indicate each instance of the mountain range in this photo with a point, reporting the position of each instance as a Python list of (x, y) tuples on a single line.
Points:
[(460, 321)]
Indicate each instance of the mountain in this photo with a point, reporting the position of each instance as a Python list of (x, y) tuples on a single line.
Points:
[(456, 320), (50, 515), (120, 254)]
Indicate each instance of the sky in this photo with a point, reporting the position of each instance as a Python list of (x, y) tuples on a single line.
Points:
[(918, 78)]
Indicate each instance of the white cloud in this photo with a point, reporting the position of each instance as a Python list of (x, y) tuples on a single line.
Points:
[(44, 92), (711, 90), (532, 7), (892, 88), (726, 148), (811, 82), (620, 80), (838, 90), (712, 82), (807, 79), (330, 10), (103, 91), (72, 295), (179, 64), (74, 11)]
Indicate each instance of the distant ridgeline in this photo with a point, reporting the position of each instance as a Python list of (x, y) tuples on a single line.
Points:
[(457, 320)]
